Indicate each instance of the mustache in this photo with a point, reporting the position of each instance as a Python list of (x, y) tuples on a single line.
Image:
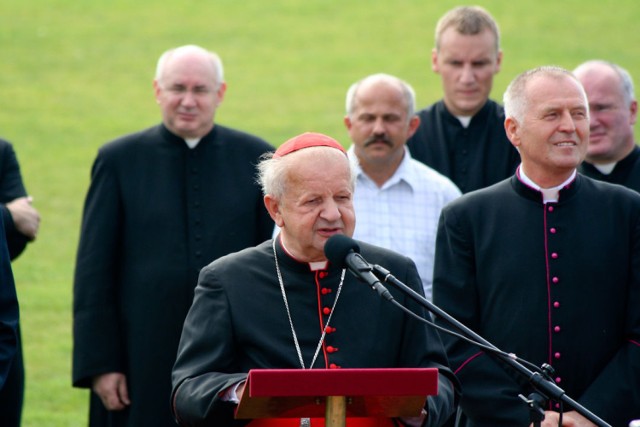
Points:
[(378, 138)]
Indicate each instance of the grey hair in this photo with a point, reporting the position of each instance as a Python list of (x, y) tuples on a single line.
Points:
[(468, 20), (407, 91), (515, 97), (216, 62), (626, 81), (272, 173)]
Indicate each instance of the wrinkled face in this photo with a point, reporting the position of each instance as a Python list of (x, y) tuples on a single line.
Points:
[(378, 125), (554, 133), (318, 202), (187, 94), (611, 119), (466, 64)]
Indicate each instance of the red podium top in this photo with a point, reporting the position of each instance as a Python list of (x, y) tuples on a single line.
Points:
[(298, 393)]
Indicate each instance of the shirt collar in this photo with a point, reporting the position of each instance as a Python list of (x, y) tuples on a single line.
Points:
[(548, 194), (404, 173)]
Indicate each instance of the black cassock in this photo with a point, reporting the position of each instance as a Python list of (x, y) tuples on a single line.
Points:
[(156, 212), (626, 172), (555, 283), (472, 157), (239, 322)]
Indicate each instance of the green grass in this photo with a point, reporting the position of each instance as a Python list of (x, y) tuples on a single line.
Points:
[(76, 74)]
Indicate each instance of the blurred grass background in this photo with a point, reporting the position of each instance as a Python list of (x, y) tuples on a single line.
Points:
[(75, 74)]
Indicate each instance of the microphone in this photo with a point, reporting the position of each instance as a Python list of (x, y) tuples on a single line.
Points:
[(344, 252)]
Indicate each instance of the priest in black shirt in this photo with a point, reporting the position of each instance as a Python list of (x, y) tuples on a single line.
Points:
[(462, 136)]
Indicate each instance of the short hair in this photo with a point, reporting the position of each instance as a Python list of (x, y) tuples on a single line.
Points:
[(407, 91), (272, 172), (626, 81), (215, 61), (468, 20), (515, 99)]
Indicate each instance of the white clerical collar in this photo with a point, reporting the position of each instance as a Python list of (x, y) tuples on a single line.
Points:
[(548, 194), (605, 168), (192, 142), (464, 120)]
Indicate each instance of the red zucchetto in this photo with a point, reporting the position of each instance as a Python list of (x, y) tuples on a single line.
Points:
[(306, 140)]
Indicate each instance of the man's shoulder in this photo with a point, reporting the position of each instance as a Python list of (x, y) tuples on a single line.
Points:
[(4, 144), (240, 260), (430, 178), (132, 139), (485, 198), (432, 109), (604, 190), (230, 135)]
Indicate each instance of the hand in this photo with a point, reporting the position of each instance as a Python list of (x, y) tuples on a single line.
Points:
[(569, 419), (240, 390), (112, 390), (25, 217)]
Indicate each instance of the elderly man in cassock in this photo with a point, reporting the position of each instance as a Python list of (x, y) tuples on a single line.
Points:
[(282, 304)]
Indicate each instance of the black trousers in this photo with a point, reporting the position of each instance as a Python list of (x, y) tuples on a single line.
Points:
[(12, 394)]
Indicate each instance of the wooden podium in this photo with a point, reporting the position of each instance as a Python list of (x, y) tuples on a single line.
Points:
[(336, 394)]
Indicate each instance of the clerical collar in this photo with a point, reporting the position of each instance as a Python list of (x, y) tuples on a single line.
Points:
[(548, 194), (313, 266), (464, 120), (605, 168), (192, 142)]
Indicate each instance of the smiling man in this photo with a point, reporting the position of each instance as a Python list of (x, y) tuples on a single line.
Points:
[(613, 155), (545, 265), (162, 203), (462, 136)]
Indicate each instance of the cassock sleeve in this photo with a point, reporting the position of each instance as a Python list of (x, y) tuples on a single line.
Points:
[(205, 367), (96, 330), (615, 393), (11, 188)]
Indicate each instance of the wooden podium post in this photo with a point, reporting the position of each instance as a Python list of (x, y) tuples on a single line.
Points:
[(336, 411), (336, 394)]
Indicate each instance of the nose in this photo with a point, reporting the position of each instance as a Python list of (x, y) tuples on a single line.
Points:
[(330, 211), (188, 99), (467, 75), (594, 121), (567, 124), (378, 127)]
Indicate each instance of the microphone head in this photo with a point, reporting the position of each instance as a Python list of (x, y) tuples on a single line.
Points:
[(338, 247)]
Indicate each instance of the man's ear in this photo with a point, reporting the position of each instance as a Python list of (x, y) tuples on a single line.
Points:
[(511, 128), (434, 61), (414, 122), (273, 207)]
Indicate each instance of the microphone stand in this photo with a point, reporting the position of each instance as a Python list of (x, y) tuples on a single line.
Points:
[(543, 385)]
